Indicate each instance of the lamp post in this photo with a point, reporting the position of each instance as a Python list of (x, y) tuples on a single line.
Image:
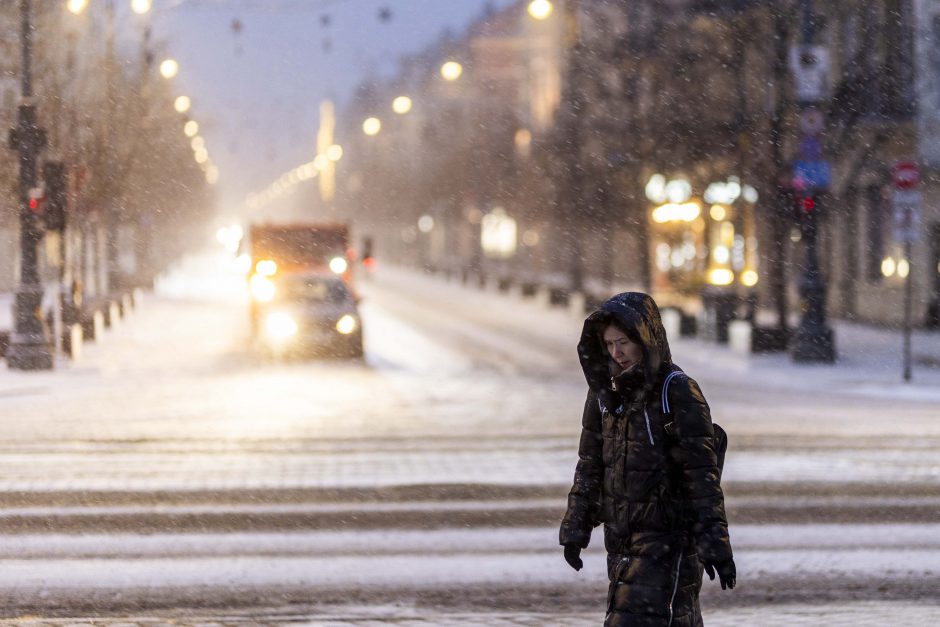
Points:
[(28, 347), (570, 206), (812, 341)]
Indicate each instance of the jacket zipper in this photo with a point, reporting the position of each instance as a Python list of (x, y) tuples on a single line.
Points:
[(649, 431), (675, 588)]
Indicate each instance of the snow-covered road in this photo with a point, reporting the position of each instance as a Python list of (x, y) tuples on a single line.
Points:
[(171, 467)]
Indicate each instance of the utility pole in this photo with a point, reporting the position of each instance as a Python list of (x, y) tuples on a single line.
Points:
[(28, 347), (570, 203), (111, 211), (813, 339)]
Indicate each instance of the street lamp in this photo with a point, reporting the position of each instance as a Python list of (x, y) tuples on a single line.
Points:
[(334, 152), (191, 128), (140, 7), (451, 71), (371, 126), (182, 104), (169, 68), (28, 349), (77, 6), (401, 105), (540, 9)]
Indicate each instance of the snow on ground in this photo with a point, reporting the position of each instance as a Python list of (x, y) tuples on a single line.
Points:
[(459, 385), (828, 539)]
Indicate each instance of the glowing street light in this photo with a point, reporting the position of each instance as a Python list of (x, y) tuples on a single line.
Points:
[(371, 126), (201, 155), (334, 152), (401, 105), (169, 68), (140, 6), (197, 143), (77, 6), (182, 104), (451, 71), (212, 175), (191, 128), (540, 9)]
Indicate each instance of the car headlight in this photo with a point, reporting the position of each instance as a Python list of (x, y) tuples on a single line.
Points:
[(338, 265), (262, 288), (266, 267), (347, 324), (279, 325)]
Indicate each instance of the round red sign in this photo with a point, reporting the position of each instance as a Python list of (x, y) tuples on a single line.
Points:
[(905, 174)]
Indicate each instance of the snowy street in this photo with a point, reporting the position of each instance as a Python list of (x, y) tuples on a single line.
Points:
[(173, 474)]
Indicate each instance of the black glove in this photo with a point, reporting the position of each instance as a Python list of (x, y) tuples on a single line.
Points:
[(573, 556), (727, 573)]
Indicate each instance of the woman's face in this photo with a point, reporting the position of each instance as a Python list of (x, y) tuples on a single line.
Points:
[(624, 351)]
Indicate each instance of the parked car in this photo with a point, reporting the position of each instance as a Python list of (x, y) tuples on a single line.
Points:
[(311, 314)]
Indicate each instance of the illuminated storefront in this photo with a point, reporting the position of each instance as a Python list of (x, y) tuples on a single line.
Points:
[(701, 238)]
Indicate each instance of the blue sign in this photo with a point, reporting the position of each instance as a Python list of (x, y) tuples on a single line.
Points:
[(811, 149), (811, 174)]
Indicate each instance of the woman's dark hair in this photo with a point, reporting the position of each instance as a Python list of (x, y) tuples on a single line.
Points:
[(610, 319)]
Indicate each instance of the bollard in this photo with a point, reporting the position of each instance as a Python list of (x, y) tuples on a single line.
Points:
[(72, 339), (113, 317), (576, 304), (127, 304), (672, 322), (739, 336), (138, 297)]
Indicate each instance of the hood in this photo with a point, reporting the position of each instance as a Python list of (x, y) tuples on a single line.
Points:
[(638, 315)]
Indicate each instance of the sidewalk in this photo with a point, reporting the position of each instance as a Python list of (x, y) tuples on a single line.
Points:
[(869, 357)]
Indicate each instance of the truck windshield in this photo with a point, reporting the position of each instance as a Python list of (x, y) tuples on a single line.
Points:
[(299, 247)]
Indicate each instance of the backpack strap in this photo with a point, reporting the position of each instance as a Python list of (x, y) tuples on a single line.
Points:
[(669, 427), (665, 396)]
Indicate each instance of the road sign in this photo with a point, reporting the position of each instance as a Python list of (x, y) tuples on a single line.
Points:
[(906, 206), (810, 67), (811, 121), (811, 149), (811, 175), (905, 174)]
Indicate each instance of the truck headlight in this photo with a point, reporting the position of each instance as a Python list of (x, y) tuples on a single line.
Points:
[(262, 288), (338, 265), (266, 267), (347, 324), (280, 326)]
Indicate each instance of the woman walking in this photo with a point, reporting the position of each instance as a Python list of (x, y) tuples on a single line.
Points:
[(648, 471)]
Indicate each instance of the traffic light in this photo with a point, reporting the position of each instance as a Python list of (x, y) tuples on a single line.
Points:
[(806, 206), (56, 180), (36, 201)]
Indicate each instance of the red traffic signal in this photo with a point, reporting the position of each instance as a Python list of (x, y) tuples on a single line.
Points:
[(36, 199), (809, 204)]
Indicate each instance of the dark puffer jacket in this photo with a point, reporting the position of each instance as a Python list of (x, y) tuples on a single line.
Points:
[(656, 492)]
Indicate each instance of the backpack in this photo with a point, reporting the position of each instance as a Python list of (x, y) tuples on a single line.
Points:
[(720, 439)]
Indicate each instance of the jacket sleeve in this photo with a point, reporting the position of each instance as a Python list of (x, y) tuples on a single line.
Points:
[(584, 497), (697, 463)]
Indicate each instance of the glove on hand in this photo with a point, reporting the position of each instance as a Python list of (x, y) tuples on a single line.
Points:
[(727, 573), (573, 556)]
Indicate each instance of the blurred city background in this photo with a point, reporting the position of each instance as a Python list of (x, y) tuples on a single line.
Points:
[(290, 292)]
